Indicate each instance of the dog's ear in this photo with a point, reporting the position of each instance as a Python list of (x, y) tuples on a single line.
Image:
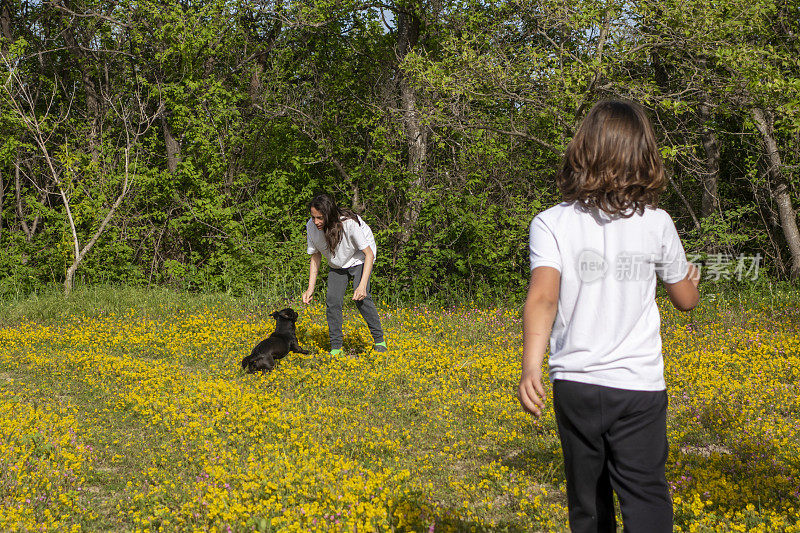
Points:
[(286, 314)]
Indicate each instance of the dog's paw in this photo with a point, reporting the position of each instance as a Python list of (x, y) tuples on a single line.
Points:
[(263, 364)]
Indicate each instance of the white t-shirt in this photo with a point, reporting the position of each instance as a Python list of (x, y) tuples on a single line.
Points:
[(607, 328), (355, 237)]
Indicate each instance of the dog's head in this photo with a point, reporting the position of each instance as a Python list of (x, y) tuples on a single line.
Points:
[(285, 314)]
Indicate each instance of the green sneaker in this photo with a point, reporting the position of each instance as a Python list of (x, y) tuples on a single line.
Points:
[(380, 347), (337, 351)]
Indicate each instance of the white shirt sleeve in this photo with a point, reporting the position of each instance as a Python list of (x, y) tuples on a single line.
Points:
[(310, 246), (543, 247), (672, 266)]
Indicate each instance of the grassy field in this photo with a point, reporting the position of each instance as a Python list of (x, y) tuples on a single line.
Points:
[(126, 410)]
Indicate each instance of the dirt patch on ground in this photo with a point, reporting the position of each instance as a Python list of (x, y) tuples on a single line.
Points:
[(705, 451)]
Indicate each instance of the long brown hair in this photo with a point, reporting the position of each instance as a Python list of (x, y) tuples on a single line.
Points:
[(332, 215), (613, 162)]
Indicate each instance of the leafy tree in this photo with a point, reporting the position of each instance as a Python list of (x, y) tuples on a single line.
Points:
[(179, 142)]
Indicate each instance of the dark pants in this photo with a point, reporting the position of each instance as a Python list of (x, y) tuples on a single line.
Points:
[(338, 279), (614, 439)]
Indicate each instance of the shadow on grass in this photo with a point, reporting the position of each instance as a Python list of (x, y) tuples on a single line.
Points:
[(419, 515), (538, 455)]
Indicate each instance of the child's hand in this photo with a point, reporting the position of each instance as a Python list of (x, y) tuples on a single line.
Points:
[(531, 392), (693, 275)]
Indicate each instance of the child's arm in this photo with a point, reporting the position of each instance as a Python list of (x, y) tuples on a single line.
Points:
[(537, 321), (360, 292), (684, 294), (313, 269)]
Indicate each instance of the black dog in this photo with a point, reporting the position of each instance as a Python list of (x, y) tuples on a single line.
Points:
[(282, 341)]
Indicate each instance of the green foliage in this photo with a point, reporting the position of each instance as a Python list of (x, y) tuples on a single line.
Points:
[(268, 103), (722, 231)]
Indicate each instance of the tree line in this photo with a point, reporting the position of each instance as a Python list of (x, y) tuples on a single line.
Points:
[(179, 142)]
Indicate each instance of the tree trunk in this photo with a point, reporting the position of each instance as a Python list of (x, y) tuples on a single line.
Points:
[(93, 107), (89, 87), (20, 213), (710, 179), (69, 278), (407, 35), (254, 88), (686, 203), (172, 144), (779, 188), (80, 253), (266, 45), (5, 20)]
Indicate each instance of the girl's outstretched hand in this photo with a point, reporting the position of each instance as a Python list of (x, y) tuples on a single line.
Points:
[(531, 392), (308, 296)]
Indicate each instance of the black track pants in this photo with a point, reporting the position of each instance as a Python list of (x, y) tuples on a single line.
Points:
[(614, 439)]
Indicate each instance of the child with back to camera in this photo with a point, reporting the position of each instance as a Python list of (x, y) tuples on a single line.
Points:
[(594, 259)]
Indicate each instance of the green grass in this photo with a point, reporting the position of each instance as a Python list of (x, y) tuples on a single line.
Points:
[(439, 404), (49, 305)]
